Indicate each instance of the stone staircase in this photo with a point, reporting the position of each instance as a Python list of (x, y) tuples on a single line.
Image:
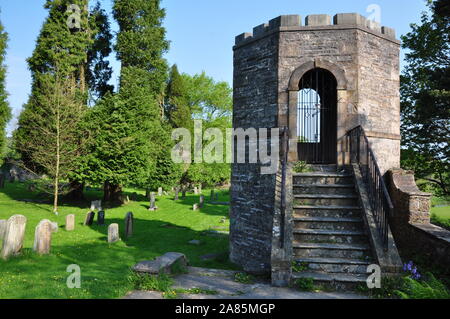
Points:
[(330, 242)]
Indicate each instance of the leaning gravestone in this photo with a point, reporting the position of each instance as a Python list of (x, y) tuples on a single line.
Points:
[(2, 228), (89, 219), (101, 218), (13, 236), (129, 223), (43, 237), (160, 191), (202, 201), (152, 202), (70, 222), (113, 233)]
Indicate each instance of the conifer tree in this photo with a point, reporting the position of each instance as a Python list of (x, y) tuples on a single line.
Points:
[(5, 111)]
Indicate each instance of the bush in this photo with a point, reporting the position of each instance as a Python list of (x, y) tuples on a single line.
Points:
[(301, 167), (431, 288), (305, 284)]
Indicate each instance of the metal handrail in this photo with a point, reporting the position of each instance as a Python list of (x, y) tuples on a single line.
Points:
[(380, 199), (284, 164)]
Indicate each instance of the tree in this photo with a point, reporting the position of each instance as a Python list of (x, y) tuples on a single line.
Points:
[(177, 109), (54, 136), (425, 92), (5, 111), (127, 141)]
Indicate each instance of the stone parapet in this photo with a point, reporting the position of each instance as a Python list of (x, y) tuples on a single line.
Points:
[(340, 20)]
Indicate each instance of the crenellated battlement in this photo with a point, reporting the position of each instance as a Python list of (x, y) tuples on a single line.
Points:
[(319, 22)]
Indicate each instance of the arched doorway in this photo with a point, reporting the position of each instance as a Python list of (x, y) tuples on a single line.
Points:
[(317, 117)]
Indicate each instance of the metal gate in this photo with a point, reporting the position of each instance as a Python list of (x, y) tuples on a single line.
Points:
[(317, 118)]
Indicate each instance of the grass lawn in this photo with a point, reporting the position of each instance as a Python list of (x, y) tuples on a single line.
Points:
[(105, 268), (440, 212)]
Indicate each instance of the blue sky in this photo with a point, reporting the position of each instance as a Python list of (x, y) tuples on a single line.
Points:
[(201, 31)]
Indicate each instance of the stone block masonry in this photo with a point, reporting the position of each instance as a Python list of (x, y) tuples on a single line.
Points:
[(362, 55)]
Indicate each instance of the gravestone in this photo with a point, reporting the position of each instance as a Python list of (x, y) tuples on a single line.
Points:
[(195, 207), (152, 202), (89, 219), (195, 190), (2, 228), (96, 205), (113, 233), (202, 201), (101, 218), (13, 236), (162, 265), (177, 192), (70, 222), (43, 237), (160, 191), (129, 223)]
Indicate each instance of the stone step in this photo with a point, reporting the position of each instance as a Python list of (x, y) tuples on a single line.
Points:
[(335, 265), (329, 236), (327, 211), (325, 200), (327, 250), (337, 281), (323, 179), (332, 189), (329, 223)]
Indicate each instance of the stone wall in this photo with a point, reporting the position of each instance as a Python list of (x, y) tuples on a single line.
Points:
[(411, 225), (252, 194)]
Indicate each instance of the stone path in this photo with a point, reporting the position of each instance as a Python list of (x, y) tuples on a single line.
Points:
[(223, 282)]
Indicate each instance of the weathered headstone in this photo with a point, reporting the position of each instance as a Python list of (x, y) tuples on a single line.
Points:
[(101, 218), (202, 201), (2, 228), (70, 222), (113, 233), (160, 191), (195, 207), (129, 223), (43, 237), (152, 202), (177, 193), (13, 236), (96, 205), (195, 190), (89, 219)]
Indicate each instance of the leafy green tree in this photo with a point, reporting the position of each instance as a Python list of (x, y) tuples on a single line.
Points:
[(5, 111), (425, 92)]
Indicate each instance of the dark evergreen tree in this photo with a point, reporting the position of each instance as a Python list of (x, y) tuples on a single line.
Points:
[(176, 106)]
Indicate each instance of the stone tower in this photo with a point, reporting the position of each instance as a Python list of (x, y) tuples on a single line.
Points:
[(358, 58)]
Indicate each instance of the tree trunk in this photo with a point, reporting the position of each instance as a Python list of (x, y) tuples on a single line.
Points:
[(112, 193), (76, 192)]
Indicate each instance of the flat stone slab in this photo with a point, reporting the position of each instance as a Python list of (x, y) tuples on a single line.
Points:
[(222, 282), (162, 264)]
